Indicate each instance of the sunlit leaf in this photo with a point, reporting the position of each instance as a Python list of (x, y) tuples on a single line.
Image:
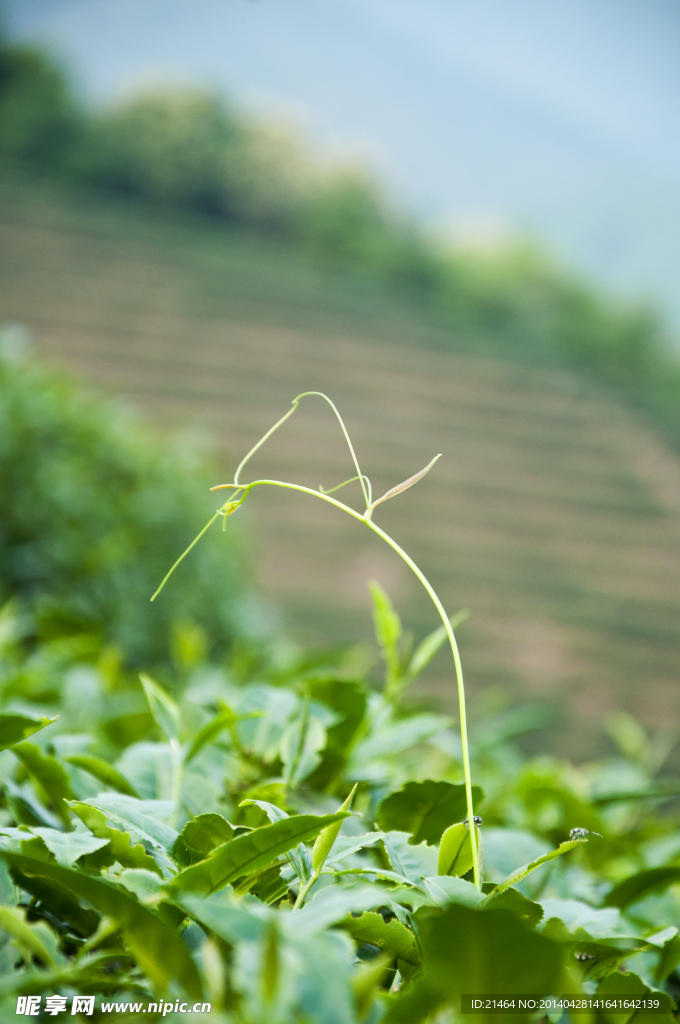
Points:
[(126, 813), (14, 727), (13, 921), (67, 847), (122, 848), (163, 708), (251, 852), (455, 850)]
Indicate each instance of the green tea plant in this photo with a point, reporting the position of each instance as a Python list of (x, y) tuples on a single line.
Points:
[(280, 841)]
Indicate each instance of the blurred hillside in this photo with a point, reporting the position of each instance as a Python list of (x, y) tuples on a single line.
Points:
[(560, 118), (181, 254), (554, 514)]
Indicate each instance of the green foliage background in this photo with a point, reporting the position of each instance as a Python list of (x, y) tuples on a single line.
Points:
[(94, 509)]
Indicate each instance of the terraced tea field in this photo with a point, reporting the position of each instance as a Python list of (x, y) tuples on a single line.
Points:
[(554, 513)]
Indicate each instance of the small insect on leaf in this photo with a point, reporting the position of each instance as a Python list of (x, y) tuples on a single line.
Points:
[(582, 833), (404, 486)]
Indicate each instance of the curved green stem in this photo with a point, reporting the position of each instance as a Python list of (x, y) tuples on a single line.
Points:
[(296, 401), (449, 632), (365, 517)]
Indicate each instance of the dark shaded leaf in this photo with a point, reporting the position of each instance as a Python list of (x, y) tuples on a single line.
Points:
[(348, 699), (157, 948), (425, 809), (471, 951), (512, 899), (631, 985), (58, 901)]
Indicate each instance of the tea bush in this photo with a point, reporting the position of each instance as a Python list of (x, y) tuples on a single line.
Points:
[(94, 508), (286, 843)]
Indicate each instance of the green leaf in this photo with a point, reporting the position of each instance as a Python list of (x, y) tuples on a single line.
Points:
[(121, 847), (14, 727), (301, 746), (526, 869), (225, 916), (413, 862), (512, 899), (206, 832), (392, 938), (13, 921), (455, 850), (146, 885), (332, 904), (468, 951), (67, 847), (326, 838), (433, 642), (585, 922), (157, 948), (669, 959), (212, 729), (395, 738), (445, 889), (273, 812), (347, 845), (49, 775), (125, 813), (249, 853), (387, 631), (628, 984), (425, 809), (163, 708), (348, 699), (103, 772), (505, 850), (643, 884)]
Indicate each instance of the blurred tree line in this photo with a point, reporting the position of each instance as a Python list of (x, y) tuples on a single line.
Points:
[(191, 150)]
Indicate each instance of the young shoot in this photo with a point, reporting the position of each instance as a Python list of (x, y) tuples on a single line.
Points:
[(240, 491)]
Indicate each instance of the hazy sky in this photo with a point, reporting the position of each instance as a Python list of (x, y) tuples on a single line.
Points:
[(558, 116)]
